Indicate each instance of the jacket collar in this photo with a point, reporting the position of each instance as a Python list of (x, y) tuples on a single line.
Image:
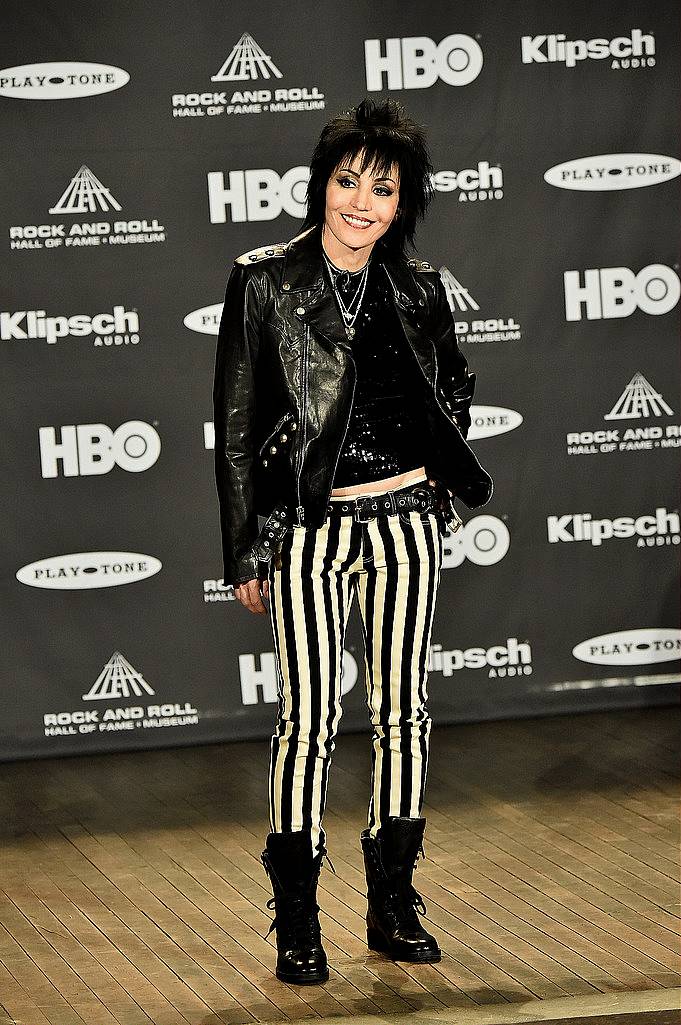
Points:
[(303, 269)]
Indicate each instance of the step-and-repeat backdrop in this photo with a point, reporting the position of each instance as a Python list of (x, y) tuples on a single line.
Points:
[(144, 148)]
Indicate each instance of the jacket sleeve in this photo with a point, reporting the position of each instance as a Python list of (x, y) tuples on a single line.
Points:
[(456, 382), (234, 416)]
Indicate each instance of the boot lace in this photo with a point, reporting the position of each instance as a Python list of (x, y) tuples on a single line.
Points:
[(298, 911)]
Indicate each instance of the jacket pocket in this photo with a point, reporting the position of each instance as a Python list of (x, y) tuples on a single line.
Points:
[(278, 439)]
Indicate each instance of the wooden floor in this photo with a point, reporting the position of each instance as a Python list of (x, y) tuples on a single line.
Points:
[(131, 889)]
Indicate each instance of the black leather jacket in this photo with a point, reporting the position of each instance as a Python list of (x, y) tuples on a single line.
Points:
[(285, 380)]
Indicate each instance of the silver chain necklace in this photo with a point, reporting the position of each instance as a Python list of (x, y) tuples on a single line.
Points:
[(349, 316)]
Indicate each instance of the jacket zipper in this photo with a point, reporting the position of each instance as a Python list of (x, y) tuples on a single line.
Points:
[(300, 512)]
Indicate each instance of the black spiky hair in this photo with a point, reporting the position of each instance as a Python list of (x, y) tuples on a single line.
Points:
[(385, 137)]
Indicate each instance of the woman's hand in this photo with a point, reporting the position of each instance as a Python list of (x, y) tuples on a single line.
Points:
[(435, 482), (249, 595)]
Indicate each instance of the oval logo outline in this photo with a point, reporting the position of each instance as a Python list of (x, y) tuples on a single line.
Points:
[(56, 88), (476, 432), (641, 640), (206, 320), (89, 573), (613, 164)]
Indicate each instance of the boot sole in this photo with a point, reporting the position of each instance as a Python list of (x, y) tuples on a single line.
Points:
[(307, 980), (376, 942)]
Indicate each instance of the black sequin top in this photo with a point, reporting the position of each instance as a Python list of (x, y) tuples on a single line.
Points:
[(387, 433)]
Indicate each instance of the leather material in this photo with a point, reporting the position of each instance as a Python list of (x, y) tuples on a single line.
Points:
[(284, 384), (294, 872), (393, 926)]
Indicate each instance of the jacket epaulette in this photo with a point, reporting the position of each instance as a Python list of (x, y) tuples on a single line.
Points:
[(420, 265), (262, 252)]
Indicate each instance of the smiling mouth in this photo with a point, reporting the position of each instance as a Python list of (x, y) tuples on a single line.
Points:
[(356, 222)]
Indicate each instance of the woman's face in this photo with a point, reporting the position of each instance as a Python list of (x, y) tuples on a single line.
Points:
[(360, 207)]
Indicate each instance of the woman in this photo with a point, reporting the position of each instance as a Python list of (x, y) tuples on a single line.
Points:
[(341, 410)]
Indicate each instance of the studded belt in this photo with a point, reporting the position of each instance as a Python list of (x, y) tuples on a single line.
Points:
[(363, 508)]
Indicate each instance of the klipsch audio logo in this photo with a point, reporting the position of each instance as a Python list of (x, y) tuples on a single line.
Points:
[(205, 321), (631, 647), (613, 171), (638, 401), (119, 681), (637, 50), (484, 541), (417, 62), (473, 184), (651, 530), (247, 64), (489, 329), (85, 570), (256, 195), (118, 328), (85, 450), (608, 292), (86, 195), (60, 80), (513, 658)]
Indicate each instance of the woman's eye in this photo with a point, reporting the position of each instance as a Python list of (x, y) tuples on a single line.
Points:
[(345, 182), (381, 190)]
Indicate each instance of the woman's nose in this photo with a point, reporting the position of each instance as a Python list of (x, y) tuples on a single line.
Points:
[(362, 197)]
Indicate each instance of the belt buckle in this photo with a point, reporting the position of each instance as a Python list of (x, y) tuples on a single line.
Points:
[(358, 506)]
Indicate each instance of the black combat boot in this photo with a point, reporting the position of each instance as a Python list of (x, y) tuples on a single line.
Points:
[(393, 926), (293, 873)]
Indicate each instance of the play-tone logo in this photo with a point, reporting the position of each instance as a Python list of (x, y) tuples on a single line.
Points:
[(487, 421), (205, 321), (491, 329), (513, 658), (651, 530), (120, 327), (86, 194), (610, 292), (613, 171), (89, 449), (636, 50), (247, 62), (256, 195), (417, 62), (60, 80), (631, 647), (639, 400), (484, 541), (86, 570)]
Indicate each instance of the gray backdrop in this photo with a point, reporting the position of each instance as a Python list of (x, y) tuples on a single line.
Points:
[(146, 147)]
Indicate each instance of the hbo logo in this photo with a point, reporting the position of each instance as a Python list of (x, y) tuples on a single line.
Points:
[(87, 449), (484, 540), (618, 292), (258, 195), (417, 62)]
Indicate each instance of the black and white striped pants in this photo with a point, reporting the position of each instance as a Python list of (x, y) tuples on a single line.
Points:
[(393, 564)]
